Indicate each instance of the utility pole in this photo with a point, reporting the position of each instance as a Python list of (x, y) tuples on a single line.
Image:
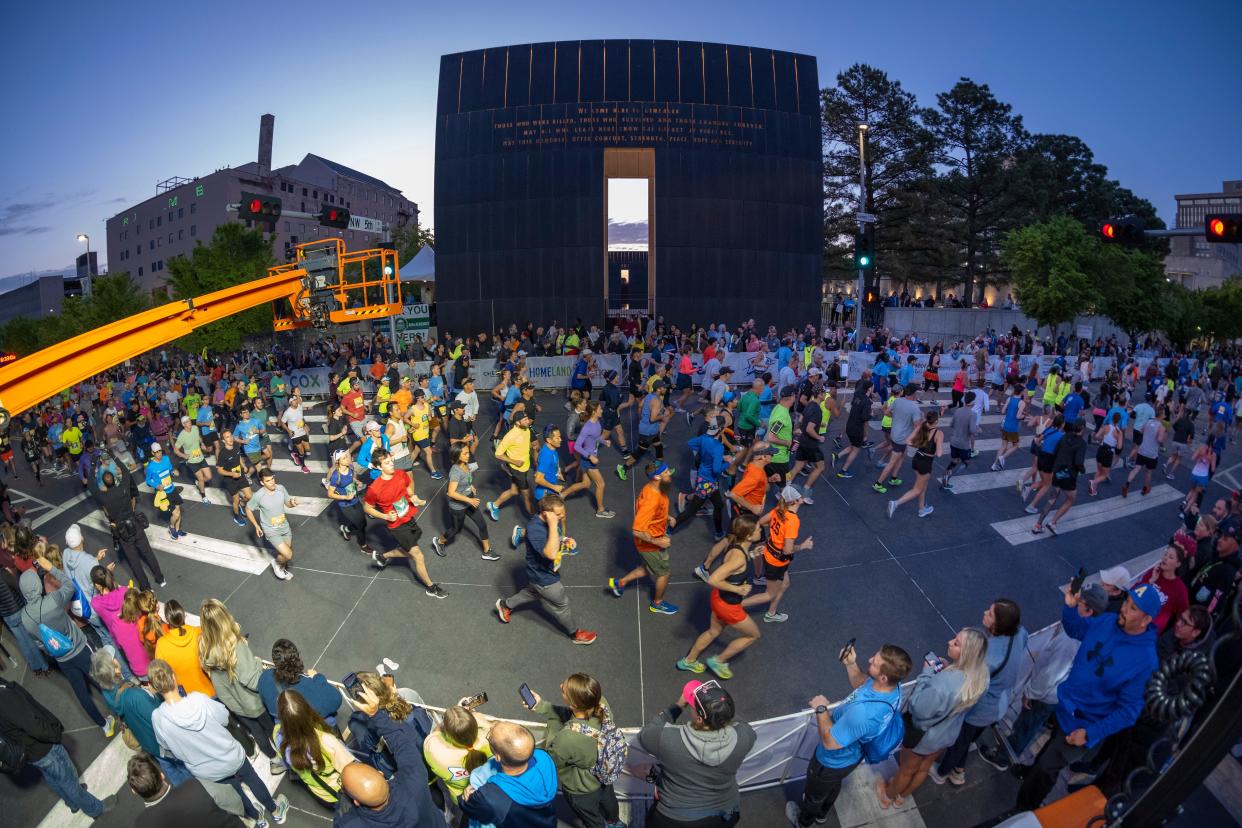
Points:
[(862, 209)]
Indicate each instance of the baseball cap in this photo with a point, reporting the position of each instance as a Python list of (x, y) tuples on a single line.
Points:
[(766, 451), (457, 405), (709, 700), (372, 425), (788, 391), (791, 493), (1117, 576), (658, 385), (728, 396), (1094, 596), (725, 370), (155, 446), (185, 420), (587, 352), (73, 536), (610, 375), (419, 393), (1184, 542), (1148, 598), (524, 414), (815, 372), (336, 455), (384, 380)]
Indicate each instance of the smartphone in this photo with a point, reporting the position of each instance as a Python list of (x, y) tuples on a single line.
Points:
[(352, 685), (933, 661), (849, 645), (1076, 584), (528, 698), (474, 701)]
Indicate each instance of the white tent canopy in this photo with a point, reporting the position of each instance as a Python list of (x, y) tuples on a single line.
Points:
[(422, 268)]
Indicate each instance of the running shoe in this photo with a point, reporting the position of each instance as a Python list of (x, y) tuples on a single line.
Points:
[(504, 612), (689, 418), (1018, 486), (775, 618), (515, 537), (1146, 490), (720, 668), (868, 444), (994, 467), (894, 481), (1031, 510), (276, 767), (879, 487), (606, 513), (583, 637), (437, 476), (879, 464), (994, 757), (344, 530), (379, 559), (845, 475), (892, 507), (690, 666), (206, 500), (805, 499), (239, 520), (662, 608), (934, 776), (489, 555), (615, 587), (1125, 489), (305, 469), (438, 546), (702, 573), (1000, 461), (621, 471), (436, 591), (493, 511), (946, 487), (282, 809), (172, 533), (719, 536), (974, 453), (926, 510)]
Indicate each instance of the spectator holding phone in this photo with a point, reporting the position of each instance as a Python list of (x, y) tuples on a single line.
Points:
[(516, 788), (936, 710), (573, 738), (860, 717), (698, 759)]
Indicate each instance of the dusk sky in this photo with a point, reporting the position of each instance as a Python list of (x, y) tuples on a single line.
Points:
[(105, 100)]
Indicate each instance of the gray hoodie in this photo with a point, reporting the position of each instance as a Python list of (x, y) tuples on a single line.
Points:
[(194, 730), (239, 694), (932, 706), (699, 767), (50, 610)]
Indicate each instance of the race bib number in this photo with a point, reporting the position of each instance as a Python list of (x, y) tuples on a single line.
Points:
[(401, 507), (277, 520), (351, 490), (196, 455)]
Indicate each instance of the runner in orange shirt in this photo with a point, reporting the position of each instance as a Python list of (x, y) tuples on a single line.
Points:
[(650, 528), (746, 497), (783, 524)]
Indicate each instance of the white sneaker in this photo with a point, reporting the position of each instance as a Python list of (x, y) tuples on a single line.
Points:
[(808, 500), (892, 507), (926, 510), (775, 618), (276, 570)]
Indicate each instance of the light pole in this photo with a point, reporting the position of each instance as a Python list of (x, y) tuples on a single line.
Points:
[(86, 289), (862, 208)]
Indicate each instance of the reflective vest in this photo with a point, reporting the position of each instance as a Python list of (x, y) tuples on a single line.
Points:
[(825, 415)]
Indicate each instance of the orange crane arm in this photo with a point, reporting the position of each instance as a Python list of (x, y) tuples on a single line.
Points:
[(30, 380)]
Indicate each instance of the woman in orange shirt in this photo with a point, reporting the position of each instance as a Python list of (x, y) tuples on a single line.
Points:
[(746, 497), (783, 524), (179, 647)]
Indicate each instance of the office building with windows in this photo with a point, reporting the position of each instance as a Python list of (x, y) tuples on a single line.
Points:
[(143, 237), (1192, 260)]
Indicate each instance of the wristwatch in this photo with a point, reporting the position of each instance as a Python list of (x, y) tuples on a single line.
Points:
[(823, 708)]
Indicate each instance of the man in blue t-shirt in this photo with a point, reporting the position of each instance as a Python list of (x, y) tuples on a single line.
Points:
[(1072, 407), (544, 551), (860, 717)]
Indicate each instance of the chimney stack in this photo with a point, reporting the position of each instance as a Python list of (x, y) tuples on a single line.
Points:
[(267, 125)]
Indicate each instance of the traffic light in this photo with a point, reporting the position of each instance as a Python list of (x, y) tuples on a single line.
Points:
[(1223, 228), (261, 208), (332, 216), (864, 248), (1126, 231)]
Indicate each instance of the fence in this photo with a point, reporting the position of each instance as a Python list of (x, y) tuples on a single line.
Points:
[(935, 324)]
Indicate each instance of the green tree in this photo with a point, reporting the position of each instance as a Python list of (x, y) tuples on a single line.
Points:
[(978, 142), (234, 255), (1131, 287), (410, 239), (114, 296), (898, 157), (1182, 320), (1052, 267)]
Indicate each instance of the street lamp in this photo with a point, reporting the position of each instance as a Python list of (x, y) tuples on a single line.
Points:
[(82, 237), (862, 208)]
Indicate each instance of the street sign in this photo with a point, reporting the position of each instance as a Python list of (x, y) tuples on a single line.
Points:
[(866, 218), (365, 224)]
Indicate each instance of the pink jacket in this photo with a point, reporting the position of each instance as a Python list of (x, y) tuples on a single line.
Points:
[(125, 633)]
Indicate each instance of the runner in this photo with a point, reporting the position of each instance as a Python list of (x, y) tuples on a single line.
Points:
[(650, 530), (342, 487), (423, 426), (963, 426), (730, 586), (189, 448), (1150, 438), (398, 439), (780, 433), (354, 410), (821, 407), (464, 502), (855, 427), (1069, 463), (906, 415), (205, 419), (1044, 447), (249, 432), (928, 443), (391, 498), (233, 475), (1183, 433), (707, 478), (293, 423), (783, 524), (654, 415), (1203, 466), (587, 449), (159, 474), (513, 451), (1015, 411), (272, 524)]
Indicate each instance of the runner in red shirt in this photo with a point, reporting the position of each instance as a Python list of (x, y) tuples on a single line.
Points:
[(354, 409), (390, 498)]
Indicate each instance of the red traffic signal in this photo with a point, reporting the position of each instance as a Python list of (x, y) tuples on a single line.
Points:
[(1223, 228), (330, 216), (1127, 231), (262, 208)]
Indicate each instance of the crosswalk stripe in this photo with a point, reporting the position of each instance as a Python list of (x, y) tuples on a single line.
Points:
[(1018, 530), (280, 464), (228, 554), (1005, 478), (308, 506), (986, 419)]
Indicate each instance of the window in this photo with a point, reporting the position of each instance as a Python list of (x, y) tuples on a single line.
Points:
[(193, 228), (193, 207), (151, 224), (152, 243), (314, 194), (303, 204), (159, 221), (138, 250), (180, 212), (170, 216), (180, 234), (303, 192), (139, 271), (159, 242), (170, 238), (347, 205)]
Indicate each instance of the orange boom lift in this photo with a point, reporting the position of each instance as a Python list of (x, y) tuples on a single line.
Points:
[(324, 285)]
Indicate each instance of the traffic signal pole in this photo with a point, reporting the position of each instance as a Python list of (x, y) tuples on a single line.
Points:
[(862, 209)]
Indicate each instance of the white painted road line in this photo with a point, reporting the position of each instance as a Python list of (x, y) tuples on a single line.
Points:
[(1082, 515), (239, 557), (64, 507), (307, 506), (1005, 478), (103, 777), (281, 465)]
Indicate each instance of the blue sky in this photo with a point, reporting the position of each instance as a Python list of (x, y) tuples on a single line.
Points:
[(104, 99)]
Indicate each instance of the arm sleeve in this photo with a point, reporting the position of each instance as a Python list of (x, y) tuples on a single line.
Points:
[(649, 736), (479, 808), (63, 595), (1075, 625), (406, 749)]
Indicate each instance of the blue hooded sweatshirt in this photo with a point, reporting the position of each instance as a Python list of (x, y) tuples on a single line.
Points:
[(522, 801), (711, 457), (1104, 690)]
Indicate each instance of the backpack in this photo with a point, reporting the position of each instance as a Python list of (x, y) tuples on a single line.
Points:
[(881, 746), (612, 749), (55, 644)]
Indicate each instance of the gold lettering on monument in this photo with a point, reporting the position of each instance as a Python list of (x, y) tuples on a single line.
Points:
[(620, 124)]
